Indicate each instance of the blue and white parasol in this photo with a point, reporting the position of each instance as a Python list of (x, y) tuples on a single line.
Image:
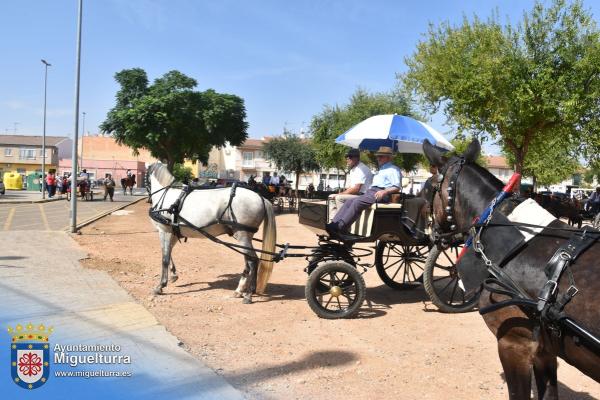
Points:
[(403, 134)]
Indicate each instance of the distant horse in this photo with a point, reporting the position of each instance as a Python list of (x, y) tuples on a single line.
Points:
[(128, 182), (208, 209), (524, 341), (568, 208)]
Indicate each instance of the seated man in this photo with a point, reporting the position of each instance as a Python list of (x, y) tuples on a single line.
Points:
[(593, 202), (358, 182), (386, 181)]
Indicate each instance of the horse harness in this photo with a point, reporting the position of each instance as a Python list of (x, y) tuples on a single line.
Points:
[(177, 220), (437, 188), (550, 304)]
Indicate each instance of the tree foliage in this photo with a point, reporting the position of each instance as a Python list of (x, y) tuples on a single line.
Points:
[(548, 162), (520, 85), (335, 120), (291, 154), (460, 143), (182, 173), (172, 120)]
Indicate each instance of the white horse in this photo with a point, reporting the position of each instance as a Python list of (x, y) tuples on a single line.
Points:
[(203, 208)]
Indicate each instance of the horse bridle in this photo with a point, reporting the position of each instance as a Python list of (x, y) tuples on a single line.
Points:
[(450, 217)]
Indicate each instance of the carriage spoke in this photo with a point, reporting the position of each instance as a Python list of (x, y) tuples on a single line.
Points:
[(394, 263), (446, 287), (453, 292), (398, 270)]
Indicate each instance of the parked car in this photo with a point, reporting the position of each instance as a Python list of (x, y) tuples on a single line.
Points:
[(2, 188)]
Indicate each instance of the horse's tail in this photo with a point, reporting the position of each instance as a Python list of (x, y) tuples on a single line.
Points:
[(268, 245)]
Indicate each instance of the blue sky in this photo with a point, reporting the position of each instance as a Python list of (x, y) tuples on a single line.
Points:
[(287, 59)]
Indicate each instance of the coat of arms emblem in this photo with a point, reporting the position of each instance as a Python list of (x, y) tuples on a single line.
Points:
[(30, 355)]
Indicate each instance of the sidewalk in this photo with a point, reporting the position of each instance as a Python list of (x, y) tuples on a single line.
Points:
[(41, 281)]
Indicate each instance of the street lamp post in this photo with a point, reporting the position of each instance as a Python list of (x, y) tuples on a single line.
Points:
[(76, 130), (46, 64)]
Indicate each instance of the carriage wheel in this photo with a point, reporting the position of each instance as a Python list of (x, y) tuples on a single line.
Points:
[(335, 289), (400, 266), (442, 284)]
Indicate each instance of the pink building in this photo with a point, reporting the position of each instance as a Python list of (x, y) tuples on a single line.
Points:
[(97, 169), (101, 155)]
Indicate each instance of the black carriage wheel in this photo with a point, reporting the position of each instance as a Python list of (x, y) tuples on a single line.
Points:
[(334, 290), (400, 266), (442, 284)]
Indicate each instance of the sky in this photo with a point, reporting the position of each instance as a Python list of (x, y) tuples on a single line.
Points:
[(286, 59)]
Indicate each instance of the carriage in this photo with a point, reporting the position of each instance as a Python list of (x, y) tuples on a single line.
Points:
[(405, 257)]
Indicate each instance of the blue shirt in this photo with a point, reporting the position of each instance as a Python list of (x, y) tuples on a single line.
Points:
[(388, 175)]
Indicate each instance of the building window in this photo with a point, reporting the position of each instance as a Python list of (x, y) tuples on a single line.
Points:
[(8, 152), (248, 159), (27, 154), (259, 154)]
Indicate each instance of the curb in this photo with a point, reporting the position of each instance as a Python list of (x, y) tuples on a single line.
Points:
[(30, 201), (105, 213)]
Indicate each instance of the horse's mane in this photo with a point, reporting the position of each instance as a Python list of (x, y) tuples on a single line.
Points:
[(487, 177), (161, 173)]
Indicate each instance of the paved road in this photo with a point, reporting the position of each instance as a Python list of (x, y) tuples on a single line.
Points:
[(54, 216), (88, 307)]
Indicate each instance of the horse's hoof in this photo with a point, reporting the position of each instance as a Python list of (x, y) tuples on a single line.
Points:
[(174, 278), (237, 294), (157, 291), (247, 300)]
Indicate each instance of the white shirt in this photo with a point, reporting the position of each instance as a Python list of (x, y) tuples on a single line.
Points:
[(360, 174), (274, 180)]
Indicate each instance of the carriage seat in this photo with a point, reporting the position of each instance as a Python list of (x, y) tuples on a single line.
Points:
[(409, 208)]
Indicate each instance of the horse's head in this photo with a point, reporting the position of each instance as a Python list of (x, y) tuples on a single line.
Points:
[(462, 187)]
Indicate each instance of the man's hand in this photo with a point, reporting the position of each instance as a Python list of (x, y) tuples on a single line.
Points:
[(379, 194)]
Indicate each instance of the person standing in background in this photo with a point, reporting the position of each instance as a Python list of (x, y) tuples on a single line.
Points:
[(109, 187), (51, 184)]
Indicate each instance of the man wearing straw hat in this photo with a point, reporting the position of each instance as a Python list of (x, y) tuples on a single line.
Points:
[(386, 181)]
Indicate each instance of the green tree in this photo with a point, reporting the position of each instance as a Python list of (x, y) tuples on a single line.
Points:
[(460, 143), (520, 85), (291, 154), (182, 173), (172, 120), (547, 162), (332, 121)]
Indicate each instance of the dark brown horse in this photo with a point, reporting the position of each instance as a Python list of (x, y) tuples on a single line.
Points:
[(128, 182), (561, 208), (524, 342)]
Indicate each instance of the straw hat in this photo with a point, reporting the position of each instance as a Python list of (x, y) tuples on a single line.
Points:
[(384, 151)]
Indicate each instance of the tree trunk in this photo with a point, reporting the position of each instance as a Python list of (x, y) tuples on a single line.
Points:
[(519, 157), (170, 165), (534, 187), (297, 193)]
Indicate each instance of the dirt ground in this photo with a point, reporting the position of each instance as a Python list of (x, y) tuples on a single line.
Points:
[(399, 347)]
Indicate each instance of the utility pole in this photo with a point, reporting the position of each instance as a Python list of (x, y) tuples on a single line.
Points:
[(82, 141), (76, 130), (46, 65)]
